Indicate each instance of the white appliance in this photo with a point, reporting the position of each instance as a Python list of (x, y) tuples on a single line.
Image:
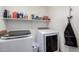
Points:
[(22, 43), (47, 40)]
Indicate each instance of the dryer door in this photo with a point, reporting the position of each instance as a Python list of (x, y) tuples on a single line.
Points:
[(51, 43)]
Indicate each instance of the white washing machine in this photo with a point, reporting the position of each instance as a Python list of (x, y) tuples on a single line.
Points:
[(47, 40), (17, 41)]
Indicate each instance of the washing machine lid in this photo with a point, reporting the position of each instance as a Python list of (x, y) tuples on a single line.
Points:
[(19, 32)]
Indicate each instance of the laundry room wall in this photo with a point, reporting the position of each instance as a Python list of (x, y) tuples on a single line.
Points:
[(37, 10), (75, 23), (26, 25), (2, 25), (58, 15)]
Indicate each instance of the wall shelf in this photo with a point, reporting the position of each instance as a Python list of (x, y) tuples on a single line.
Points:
[(22, 19)]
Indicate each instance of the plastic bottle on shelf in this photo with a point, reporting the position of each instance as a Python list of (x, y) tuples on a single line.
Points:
[(25, 17), (14, 14), (18, 16), (29, 17), (32, 16), (5, 13), (45, 17)]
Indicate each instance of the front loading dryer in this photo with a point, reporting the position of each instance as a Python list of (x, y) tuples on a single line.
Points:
[(47, 40)]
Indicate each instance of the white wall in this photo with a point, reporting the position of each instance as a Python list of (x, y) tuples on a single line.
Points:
[(40, 11), (37, 10), (75, 23), (2, 25), (26, 25), (59, 21)]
